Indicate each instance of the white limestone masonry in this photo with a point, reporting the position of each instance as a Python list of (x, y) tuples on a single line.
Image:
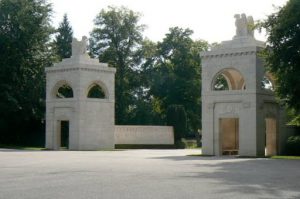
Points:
[(246, 101), (91, 120), (162, 135)]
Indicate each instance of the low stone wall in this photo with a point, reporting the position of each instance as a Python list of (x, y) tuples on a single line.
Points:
[(152, 135)]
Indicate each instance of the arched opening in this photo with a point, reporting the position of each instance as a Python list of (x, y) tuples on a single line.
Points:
[(96, 91), (64, 91), (228, 79), (267, 83)]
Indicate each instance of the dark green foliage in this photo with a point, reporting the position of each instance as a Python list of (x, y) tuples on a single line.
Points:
[(176, 117), (96, 92), (176, 75), (293, 145), (63, 40), (283, 51), (116, 39), (143, 110), (24, 53), (293, 117)]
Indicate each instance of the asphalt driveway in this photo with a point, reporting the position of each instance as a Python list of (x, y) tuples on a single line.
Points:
[(141, 174)]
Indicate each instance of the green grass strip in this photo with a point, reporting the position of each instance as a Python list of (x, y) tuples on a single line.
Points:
[(286, 157), (22, 147)]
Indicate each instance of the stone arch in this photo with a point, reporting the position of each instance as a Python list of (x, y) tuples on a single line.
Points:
[(97, 89), (228, 79), (62, 89)]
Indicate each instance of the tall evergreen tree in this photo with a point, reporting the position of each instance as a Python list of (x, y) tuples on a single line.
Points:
[(63, 40), (24, 53)]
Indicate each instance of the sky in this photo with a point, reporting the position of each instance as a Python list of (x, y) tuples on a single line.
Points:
[(211, 20)]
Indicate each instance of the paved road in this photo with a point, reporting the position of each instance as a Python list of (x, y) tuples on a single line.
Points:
[(143, 174)]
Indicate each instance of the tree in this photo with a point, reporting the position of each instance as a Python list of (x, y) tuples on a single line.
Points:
[(24, 37), (177, 75), (283, 51), (145, 110), (116, 39), (63, 40), (176, 117)]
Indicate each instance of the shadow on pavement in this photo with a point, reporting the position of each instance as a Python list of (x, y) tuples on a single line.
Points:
[(261, 176)]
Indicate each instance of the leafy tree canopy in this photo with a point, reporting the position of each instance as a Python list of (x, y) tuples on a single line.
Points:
[(116, 39), (177, 74), (283, 51), (24, 37)]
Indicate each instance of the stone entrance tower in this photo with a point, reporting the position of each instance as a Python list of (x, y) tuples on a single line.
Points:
[(239, 111), (80, 102)]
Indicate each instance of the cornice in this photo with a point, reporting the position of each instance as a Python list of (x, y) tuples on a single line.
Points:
[(80, 68)]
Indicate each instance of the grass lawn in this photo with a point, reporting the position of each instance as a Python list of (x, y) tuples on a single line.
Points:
[(286, 157), (200, 155), (22, 147), (272, 157)]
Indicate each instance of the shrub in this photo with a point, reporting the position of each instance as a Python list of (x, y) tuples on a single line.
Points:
[(293, 145)]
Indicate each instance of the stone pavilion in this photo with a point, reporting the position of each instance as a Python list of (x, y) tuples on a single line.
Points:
[(80, 102), (240, 115)]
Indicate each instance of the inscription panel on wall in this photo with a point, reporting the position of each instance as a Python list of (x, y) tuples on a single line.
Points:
[(144, 135)]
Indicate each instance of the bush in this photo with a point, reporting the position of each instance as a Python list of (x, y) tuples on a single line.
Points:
[(176, 117), (293, 145), (186, 144)]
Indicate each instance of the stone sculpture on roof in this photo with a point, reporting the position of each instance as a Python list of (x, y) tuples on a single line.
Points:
[(79, 47), (244, 25)]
